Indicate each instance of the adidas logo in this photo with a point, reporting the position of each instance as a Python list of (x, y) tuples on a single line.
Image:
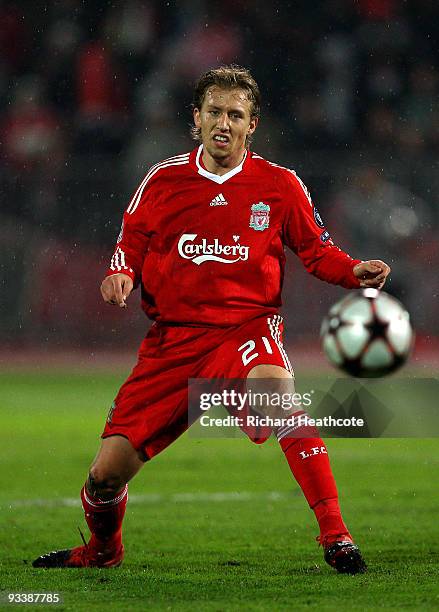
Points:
[(220, 200)]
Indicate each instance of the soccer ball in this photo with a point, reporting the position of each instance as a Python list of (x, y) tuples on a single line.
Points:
[(367, 334)]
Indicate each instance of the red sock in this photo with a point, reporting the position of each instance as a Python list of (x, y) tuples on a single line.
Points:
[(104, 518), (309, 463)]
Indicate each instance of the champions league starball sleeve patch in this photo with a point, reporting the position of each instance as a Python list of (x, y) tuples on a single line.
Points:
[(324, 236), (318, 219)]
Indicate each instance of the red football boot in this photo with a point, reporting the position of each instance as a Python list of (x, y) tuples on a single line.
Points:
[(89, 555)]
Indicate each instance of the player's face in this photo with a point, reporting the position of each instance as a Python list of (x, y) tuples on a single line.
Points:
[(225, 122)]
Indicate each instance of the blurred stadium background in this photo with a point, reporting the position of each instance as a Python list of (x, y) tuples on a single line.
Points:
[(93, 93)]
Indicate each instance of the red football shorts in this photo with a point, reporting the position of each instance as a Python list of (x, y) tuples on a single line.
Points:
[(151, 408)]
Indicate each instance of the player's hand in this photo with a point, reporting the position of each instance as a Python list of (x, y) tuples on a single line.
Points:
[(372, 273), (116, 288)]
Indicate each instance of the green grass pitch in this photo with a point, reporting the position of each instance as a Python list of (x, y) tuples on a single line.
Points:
[(213, 524)]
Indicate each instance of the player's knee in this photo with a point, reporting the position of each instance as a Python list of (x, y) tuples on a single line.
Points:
[(104, 483), (272, 388)]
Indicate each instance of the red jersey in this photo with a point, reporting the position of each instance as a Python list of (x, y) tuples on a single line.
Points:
[(209, 249)]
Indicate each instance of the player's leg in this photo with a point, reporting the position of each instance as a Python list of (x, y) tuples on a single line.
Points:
[(104, 497), (255, 351), (148, 413), (105, 493), (308, 460), (113, 467)]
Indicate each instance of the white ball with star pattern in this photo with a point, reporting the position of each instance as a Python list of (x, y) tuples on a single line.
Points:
[(367, 334)]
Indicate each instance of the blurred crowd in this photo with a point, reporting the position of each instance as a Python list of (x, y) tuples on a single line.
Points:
[(92, 93)]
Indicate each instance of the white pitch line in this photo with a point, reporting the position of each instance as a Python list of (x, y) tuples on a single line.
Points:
[(158, 498)]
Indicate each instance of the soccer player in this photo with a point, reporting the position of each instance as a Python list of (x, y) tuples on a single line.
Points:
[(204, 237)]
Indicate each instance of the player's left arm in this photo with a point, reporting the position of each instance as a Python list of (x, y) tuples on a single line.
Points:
[(306, 234), (372, 273)]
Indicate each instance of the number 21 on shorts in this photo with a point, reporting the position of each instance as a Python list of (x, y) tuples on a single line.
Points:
[(249, 351)]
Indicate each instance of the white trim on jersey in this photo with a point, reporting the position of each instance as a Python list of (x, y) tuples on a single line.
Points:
[(178, 160), (118, 262), (273, 325), (165, 161), (215, 177), (299, 180)]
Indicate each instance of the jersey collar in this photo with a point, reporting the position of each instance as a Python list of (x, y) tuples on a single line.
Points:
[(215, 177)]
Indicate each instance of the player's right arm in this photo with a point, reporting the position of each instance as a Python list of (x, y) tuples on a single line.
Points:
[(125, 270)]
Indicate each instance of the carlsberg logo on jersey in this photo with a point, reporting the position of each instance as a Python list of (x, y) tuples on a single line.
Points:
[(202, 251)]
